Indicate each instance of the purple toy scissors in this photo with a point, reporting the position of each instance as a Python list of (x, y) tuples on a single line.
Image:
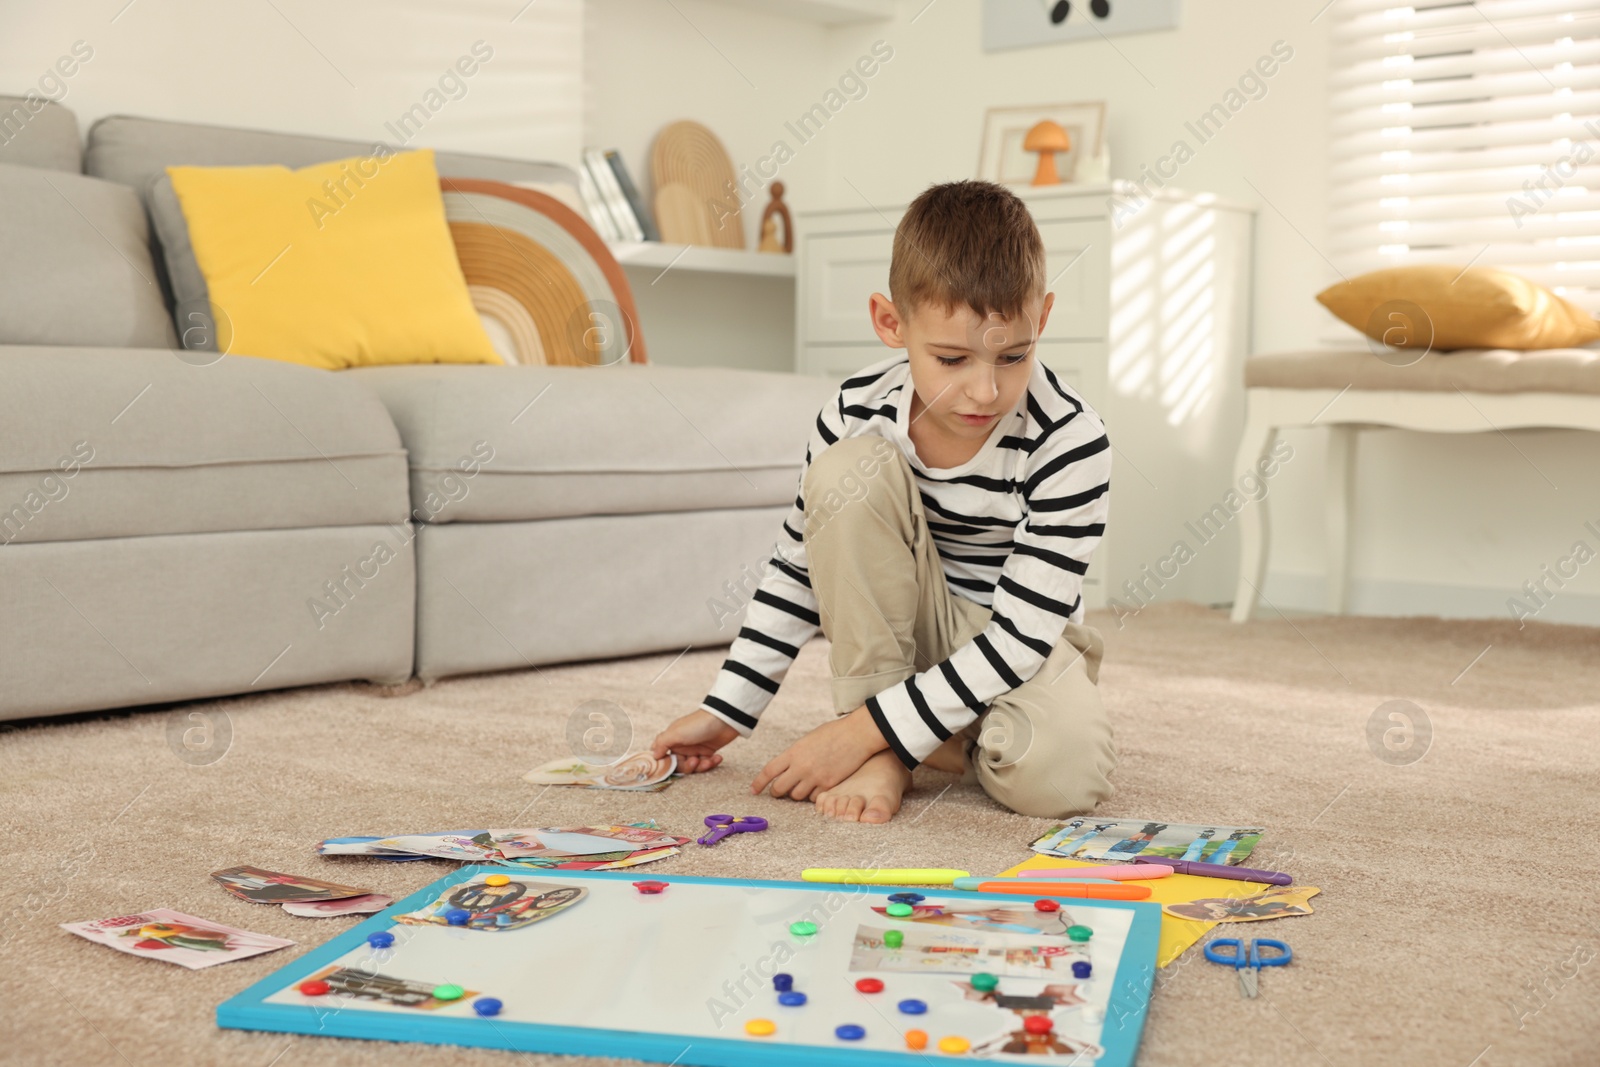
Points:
[(723, 825)]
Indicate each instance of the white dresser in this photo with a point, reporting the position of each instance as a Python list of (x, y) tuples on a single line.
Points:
[(1151, 324)]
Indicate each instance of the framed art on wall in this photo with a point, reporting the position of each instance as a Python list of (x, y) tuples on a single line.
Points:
[(1025, 23), (1002, 158)]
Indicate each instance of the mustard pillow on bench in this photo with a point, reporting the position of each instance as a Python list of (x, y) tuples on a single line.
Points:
[(1477, 308), (341, 264)]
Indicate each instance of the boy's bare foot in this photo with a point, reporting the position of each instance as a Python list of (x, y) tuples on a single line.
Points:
[(871, 794), (823, 758)]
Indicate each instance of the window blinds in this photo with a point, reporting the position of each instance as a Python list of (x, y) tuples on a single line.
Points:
[(1468, 133)]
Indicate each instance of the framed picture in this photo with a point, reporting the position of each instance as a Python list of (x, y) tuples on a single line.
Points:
[(1027, 23), (1002, 158)]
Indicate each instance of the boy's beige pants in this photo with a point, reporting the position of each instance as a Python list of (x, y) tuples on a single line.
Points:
[(1043, 749)]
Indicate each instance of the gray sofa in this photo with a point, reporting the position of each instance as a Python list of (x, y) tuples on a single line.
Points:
[(174, 528)]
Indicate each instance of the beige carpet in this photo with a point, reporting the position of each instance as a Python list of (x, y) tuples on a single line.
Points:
[(1458, 922)]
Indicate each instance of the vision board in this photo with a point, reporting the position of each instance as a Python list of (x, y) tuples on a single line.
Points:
[(591, 963)]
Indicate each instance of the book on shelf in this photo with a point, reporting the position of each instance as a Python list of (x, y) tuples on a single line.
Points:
[(599, 217), (605, 180), (630, 193)]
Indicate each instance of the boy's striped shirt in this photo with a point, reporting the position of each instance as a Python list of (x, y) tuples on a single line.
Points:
[(1014, 527)]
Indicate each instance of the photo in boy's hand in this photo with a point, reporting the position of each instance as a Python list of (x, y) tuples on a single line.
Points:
[(637, 770)]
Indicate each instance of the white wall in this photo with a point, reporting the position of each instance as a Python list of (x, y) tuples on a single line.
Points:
[(1446, 525), (339, 70)]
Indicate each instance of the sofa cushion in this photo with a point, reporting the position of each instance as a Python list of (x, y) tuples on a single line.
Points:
[(1491, 370), (133, 151), (298, 274), (75, 264), (98, 442), (492, 444), (35, 132)]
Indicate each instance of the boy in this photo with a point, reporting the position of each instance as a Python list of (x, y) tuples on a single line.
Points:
[(950, 503)]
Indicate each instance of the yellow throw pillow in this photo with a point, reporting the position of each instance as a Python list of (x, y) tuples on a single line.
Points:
[(1477, 308), (342, 264)]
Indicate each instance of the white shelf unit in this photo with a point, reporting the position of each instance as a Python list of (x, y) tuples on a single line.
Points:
[(699, 258), (1151, 325)]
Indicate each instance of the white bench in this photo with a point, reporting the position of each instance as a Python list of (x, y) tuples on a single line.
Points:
[(1346, 390)]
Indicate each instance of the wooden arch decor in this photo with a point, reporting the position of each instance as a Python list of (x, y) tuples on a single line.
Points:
[(536, 268), (696, 200)]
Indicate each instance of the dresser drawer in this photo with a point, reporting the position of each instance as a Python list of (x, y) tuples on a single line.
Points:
[(1078, 270), (841, 272)]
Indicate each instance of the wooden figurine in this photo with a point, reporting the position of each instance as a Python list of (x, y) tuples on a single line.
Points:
[(775, 211)]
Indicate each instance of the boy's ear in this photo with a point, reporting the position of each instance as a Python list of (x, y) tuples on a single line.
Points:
[(886, 321), (1044, 315)]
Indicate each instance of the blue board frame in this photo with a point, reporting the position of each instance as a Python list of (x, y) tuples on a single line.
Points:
[(248, 1010)]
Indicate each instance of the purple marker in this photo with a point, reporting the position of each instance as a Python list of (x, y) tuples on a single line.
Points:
[(1219, 870)]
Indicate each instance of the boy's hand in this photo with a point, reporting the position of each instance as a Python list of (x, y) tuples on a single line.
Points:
[(694, 739), (823, 758)]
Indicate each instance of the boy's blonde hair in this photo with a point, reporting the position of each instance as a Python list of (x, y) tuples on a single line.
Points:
[(967, 242)]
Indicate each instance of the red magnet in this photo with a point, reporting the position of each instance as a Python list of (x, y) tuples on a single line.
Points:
[(315, 988), (869, 985), (1046, 905), (1038, 1024), (650, 887)]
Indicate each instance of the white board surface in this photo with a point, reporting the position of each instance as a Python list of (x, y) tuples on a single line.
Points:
[(696, 961)]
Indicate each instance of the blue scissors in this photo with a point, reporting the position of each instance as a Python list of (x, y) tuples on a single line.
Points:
[(1247, 959)]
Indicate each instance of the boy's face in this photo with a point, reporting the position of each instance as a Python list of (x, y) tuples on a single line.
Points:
[(968, 371)]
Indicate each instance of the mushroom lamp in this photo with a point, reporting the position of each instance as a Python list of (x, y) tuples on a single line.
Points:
[(1047, 138)]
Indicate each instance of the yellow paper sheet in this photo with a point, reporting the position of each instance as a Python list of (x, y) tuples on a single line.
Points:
[(1176, 934)]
